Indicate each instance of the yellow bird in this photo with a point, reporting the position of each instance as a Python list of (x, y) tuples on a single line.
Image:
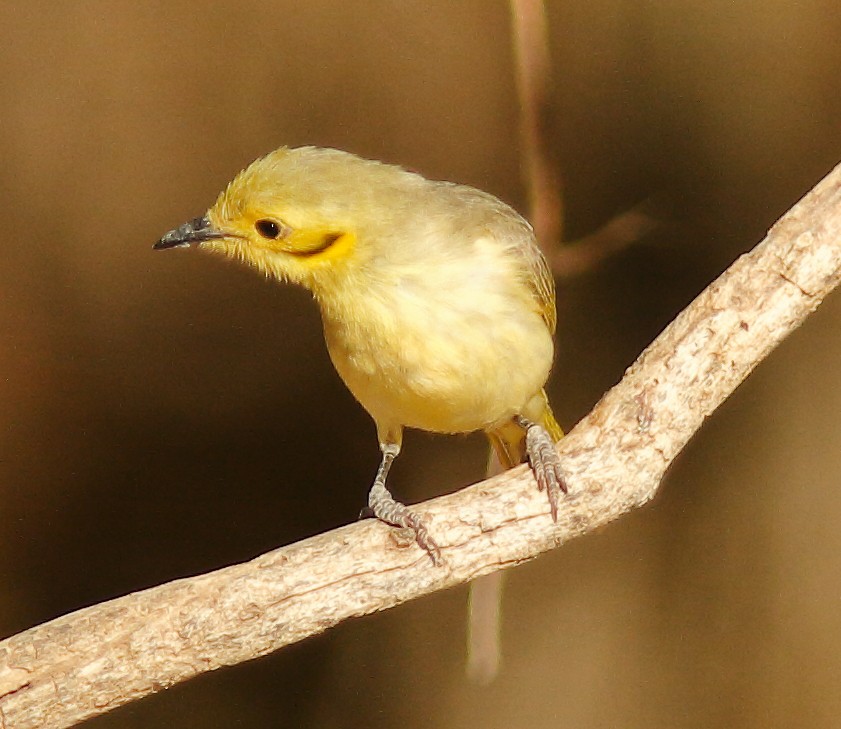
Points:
[(438, 307)]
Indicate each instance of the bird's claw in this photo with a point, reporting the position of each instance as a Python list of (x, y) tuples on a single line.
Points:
[(385, 508), (546, 465), (414, 525)]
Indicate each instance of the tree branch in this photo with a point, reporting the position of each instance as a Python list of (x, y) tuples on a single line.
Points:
[(90, 661), (530, 41), (531, 65)]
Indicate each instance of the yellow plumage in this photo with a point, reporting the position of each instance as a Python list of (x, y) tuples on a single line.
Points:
[(438, 307)]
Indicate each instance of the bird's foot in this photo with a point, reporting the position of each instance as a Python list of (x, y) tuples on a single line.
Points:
[(545, 463), (384, 507)]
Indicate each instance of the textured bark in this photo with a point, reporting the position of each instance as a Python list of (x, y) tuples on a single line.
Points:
[(85, 663)]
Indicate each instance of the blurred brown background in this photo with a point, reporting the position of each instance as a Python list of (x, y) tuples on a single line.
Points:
[(165, 414)]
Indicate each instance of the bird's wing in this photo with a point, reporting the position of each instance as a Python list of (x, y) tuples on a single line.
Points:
[(494, 217), (541, 283), (534, 269)]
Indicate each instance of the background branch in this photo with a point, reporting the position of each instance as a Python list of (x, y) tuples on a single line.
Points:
[(90, 661), (531, 64), (529, 35)]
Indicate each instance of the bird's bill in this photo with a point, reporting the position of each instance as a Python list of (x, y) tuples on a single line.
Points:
[(197, 230)]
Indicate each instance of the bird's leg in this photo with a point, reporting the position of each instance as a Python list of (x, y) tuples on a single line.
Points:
[(383, 506), (545, 462)]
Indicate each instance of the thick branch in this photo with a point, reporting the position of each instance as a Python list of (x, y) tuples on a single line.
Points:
[(83, 664)]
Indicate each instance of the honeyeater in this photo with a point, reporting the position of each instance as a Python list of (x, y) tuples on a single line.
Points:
[(438, 307)]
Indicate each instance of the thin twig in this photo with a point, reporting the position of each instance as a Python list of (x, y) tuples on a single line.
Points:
[(529, 34), (530, 46), (578, 256), (531, 66), (90, 661)]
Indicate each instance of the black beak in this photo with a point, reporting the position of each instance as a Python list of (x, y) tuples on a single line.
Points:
[(197, 230)]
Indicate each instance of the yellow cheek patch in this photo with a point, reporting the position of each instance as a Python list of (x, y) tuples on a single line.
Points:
[(319, 245)]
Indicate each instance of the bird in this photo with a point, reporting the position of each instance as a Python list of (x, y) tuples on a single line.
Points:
[(437, 304)]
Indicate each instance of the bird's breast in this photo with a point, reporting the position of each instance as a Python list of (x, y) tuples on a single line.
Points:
[(452, 350)]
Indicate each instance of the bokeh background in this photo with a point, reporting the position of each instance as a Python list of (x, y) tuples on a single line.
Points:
[(162, 415)]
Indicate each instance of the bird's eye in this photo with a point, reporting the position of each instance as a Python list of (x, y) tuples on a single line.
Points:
[(268, 228)]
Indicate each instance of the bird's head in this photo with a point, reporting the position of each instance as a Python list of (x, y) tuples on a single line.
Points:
[(304, 214)]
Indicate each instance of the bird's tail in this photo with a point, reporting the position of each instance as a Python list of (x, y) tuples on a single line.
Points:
[(548, 421), (484, 619), (509, 440)]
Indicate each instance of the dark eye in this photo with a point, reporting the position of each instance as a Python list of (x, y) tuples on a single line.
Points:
[(268, 228)]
